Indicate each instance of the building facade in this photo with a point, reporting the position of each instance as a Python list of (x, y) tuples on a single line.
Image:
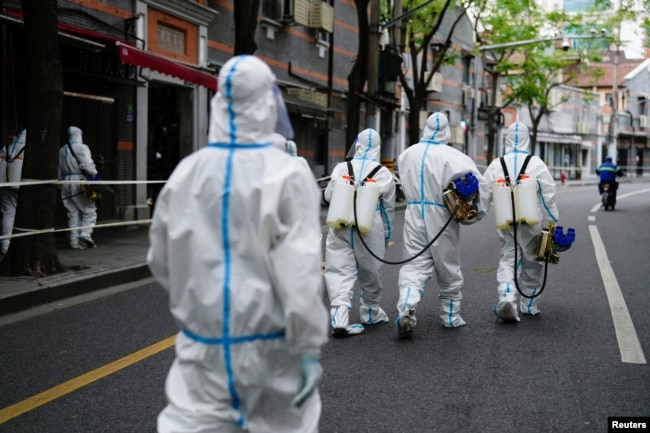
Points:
[(138, 76)]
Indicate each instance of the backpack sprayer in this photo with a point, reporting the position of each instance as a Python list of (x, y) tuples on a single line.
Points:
[(458, 197), (523, 205), (552, 241)]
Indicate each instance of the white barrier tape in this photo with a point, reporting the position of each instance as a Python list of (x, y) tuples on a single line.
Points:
[(29, 232), (25, 182)]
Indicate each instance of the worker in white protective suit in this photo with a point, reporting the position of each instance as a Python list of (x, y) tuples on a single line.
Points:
[(530, 271), (288, 146), (426, 169), (76, 164), (235, 241), (347, 260), (11, 166)]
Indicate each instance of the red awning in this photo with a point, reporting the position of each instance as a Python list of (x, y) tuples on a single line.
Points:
[(135, 56)]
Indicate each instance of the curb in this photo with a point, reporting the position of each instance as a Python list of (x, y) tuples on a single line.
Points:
[(74, 286)]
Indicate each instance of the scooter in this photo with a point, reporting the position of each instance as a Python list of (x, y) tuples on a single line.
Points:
[(608, 197)]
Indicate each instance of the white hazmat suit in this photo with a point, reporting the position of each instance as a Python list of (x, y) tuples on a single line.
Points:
[(11, 165), (235, 241), (346, 259), (530, 271), (76, 163), (426, 169)]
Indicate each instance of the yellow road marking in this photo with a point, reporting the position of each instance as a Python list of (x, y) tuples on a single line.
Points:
[(71, 385)]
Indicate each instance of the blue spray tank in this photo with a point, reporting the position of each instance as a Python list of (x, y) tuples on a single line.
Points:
[(553, 241), (459, 198)]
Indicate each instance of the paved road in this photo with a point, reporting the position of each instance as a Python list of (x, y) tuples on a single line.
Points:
[(101, 364)]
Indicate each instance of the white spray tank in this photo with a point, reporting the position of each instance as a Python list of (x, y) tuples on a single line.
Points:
[(366, 205), (526, 208), (502, 203), (340, 212)]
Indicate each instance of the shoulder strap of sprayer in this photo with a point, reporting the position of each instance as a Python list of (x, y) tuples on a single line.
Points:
[(521, 172), (16, 155), (350, 172), (73, 154), (370, 175)]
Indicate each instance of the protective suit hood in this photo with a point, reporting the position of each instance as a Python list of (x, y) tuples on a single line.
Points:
[(245, 109), (75, 135), (517, 138), (367, 145), (436, 129)]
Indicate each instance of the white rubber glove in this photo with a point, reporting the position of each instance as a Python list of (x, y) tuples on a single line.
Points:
[(310, 375)]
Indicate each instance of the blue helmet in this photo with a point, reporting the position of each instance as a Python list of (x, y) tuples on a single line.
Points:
[(608, 158)]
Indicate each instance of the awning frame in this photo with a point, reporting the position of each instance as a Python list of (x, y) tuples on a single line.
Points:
[(135, 56)]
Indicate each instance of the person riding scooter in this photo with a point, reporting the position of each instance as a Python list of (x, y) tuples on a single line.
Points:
[(608, 172)]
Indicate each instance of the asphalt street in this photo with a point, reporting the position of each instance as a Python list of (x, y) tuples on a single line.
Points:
[(99, 365)]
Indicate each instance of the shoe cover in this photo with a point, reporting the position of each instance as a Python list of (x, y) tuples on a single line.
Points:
[(506, 311), (529, 307), (450, 314), (372, 314), (406, 323), (86, 242), (340, 322)]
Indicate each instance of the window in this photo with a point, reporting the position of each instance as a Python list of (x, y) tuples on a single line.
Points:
[(172, 37), (271, 9), (467, 62)]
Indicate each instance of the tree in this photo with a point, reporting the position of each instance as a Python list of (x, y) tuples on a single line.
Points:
[(246, 12), (499, 24), (35, 255), (541, 75), (426, 24)]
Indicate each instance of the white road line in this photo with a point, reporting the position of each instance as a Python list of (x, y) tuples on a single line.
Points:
[(591, 218), (628, 342)]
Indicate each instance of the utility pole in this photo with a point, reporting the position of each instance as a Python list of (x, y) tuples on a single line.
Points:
[(611, 147), (389, 141), (372, 119)]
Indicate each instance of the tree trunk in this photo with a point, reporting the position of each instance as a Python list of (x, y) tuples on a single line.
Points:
[(414, 120), (246, 12), (35, 255), (358, 75)]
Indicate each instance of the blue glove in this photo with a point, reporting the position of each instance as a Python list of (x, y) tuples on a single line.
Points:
[(95, 177), (310, 375)]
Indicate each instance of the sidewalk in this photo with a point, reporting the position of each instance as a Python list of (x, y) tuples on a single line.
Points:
[(120, 257)]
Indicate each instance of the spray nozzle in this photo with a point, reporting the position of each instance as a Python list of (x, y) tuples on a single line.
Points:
[(563, 241), (466, 186)]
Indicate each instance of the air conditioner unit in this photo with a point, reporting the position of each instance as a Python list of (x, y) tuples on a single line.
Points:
[(457, 135), (644, 122), (468, 93), (435, 85), (320, 99), (321, 16), (583, 128), (303, 94), (295, 11)]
